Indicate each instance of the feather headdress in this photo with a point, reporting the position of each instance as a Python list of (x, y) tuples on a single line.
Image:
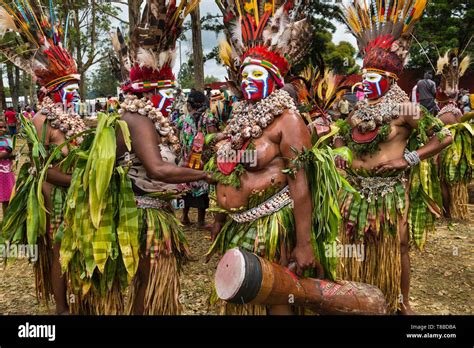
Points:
[(147, 62), (451, 67), (36, 46), (323, 88), (271, 33), (383, 30)]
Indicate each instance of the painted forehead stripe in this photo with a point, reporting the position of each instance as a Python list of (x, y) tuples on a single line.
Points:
[(266, 64), (381, 72)]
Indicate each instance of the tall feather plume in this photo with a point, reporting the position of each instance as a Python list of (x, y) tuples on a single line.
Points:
[(272, 25), (119, 57), (371, 20), (452, 66), (38, 40), (396, 18), (442, 61), (153, 40), (323, 87)]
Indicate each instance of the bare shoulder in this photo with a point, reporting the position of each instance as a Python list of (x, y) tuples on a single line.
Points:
[(136, 120), (293, 129), (449, 118), (38, 120)]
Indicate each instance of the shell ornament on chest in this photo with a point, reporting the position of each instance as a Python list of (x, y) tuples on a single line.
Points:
[(368, 118)]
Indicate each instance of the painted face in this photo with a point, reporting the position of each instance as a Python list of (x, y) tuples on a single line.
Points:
[(375, 85), (70, 95), (163, 100), (257, 83)]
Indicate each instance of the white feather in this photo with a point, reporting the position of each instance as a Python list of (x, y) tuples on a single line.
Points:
[(236, 33), (162, 58), (172, 57), (115, 42), (464, 65), (442, 61), (147, 58), (279, 23), (6, 22)]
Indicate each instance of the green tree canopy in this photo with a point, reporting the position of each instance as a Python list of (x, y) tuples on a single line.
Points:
[(102, 82), (446, 24)]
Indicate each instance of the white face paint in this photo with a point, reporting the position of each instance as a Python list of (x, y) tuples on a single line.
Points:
[(372, 77), (255, 80)]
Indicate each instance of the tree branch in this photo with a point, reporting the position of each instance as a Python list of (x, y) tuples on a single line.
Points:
[(101, 9)]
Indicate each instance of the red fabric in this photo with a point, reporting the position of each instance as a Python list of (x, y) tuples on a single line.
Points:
[(7, 182), (10, 116)]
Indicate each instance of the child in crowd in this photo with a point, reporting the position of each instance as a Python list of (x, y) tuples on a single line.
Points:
[(7, 177)]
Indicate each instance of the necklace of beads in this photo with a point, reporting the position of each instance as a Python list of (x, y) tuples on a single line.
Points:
[(69, 123), (367, 117), (146, 108)]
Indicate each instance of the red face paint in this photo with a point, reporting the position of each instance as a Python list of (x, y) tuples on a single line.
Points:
[(375, 85)]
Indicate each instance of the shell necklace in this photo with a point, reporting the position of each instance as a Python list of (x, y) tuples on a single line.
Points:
[(146, 108)]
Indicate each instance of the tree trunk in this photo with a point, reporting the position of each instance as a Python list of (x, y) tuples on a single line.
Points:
[(11, 85), (197, 49), (32, 91), (25, 87), (133, 14), (17, 84), (3, 101)]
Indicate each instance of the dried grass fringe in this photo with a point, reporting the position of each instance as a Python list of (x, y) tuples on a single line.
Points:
[(459, 200), (381, 266), (94, 304), (42, 271), (162, 290), (226, 308)]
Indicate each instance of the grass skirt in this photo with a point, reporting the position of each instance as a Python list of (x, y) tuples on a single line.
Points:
[(373, 222), (163, 250)]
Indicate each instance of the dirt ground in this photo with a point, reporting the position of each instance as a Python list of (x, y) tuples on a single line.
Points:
[(442, 275)]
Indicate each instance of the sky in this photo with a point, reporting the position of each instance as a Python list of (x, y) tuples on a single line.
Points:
[(209, 40)]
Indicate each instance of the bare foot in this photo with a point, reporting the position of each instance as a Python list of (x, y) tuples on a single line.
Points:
[(405, 309)]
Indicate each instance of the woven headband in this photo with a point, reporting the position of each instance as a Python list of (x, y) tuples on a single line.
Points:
[(144, 85)]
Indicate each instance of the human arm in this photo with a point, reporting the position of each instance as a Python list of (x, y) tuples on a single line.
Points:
[(297, 137), (434, 146), (56, 177), (219, 221), (145, 142)]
